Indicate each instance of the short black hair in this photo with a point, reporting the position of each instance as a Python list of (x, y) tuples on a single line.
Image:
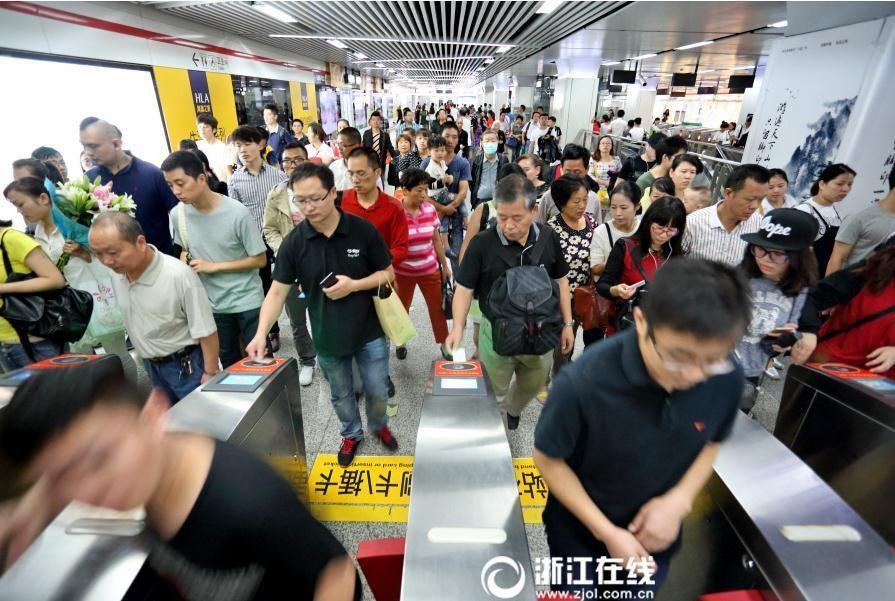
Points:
[(299, 120), (664, 184), (669, 147), (37, 168), (352, 135), (437, 141), (207, 119), (374, 114), (575, 152), (371, 155), (510, 169), (655, 139), (270, 106), (777, 172), (29, 186), (551, 118), (638, 120), (34, 415), (449, 125), (43, 153), (687, 158), (411, 178), (310, 169), (708, 300), (262, 131), (562, 188), (188, 144), (892, 179), (246, 134), (737, 178), (186, 160), (629, 190), (621, 113), (513, 187), (293, 145), (423, 131)]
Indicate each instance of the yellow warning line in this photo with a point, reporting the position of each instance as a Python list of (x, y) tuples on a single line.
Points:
[(377, 489)]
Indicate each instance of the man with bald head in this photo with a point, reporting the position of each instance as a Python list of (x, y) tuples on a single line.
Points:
[(165, 307), (130, 175)]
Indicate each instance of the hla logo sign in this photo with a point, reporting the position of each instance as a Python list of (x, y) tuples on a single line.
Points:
[(494, 567), (773, 228)]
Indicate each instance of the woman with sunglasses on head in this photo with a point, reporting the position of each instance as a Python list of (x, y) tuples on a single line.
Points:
[(634, 261), (781, 268)]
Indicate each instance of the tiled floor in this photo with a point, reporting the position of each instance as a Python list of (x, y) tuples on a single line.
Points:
[(410, 377)]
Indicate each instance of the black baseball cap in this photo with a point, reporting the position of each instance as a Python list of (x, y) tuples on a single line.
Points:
[(784, 229)]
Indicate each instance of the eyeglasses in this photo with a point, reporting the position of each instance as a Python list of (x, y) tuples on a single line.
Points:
[(294, 162), (719, 367), (303, 202), (776, 256), (668, 231)]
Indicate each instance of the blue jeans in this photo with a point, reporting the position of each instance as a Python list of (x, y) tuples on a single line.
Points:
[(13, 356), (231, 328), (170, 377), (372, 359)]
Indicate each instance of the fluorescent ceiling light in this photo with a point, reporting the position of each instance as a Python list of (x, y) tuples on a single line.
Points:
[(360, 55), (273, 12), (548, 6), (446, 58), (779, 24), (299, 36), (708, 71), (336, 43), (380, 65), (480, 69), (187, 43), (502, 49), (609, 63), (696, 45), (488, 61), (643, 56)]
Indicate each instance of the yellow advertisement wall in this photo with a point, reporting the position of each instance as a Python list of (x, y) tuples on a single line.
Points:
[(184, 93), (310, 114)]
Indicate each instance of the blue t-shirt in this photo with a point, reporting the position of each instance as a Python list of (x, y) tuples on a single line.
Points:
[(145, 182), (459, 168)]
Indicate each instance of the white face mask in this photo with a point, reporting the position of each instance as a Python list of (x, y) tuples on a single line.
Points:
[(489, 147)]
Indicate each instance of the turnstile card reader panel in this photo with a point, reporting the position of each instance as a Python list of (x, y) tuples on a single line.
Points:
[(244, 376), (459, 379)]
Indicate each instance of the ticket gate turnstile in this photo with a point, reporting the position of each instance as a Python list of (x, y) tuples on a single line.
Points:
[(99, 555)]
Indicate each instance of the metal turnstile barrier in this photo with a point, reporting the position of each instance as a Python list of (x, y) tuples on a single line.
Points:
[(90, 554), (465, 534)]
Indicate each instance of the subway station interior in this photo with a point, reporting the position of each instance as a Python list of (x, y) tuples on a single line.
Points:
[(387, 464)]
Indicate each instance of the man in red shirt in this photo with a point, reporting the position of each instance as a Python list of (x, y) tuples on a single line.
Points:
[(383, 211)]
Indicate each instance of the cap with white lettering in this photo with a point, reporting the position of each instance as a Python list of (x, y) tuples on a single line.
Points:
[(784, 229)]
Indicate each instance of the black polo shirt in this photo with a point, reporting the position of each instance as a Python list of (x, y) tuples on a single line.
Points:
[(483, 264), (355, 249), (626, 438)]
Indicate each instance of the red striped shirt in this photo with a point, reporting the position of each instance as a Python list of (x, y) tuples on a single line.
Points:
[(421, 258)]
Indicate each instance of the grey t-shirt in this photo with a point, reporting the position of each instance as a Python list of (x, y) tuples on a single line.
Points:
[(770, 309), (864, 230), (228, 233)]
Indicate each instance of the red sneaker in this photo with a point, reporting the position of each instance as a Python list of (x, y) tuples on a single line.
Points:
[(385, 435), (347, 451)]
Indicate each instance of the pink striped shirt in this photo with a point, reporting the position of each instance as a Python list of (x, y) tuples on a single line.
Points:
[(421, 258)]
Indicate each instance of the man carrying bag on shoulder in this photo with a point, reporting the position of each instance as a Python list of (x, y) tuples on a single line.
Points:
[(518, 273)]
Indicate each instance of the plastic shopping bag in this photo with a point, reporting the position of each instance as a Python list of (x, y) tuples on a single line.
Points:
[(393, 317), (106, 318)]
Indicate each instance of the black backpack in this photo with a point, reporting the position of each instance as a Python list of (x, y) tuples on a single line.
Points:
[(524, 305)]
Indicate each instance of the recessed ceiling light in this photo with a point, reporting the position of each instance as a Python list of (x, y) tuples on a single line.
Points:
[(380, 65), (609, 63), (502, 49), (696, 45), (779, 24), (274, 12), (488, 61), (360, 55), (336, 43), (643, 56), (548, 6)]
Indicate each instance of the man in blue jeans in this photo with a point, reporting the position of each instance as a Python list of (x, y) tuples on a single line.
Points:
[(338, 260)]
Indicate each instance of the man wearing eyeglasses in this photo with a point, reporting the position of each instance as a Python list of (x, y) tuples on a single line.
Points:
[(337, 259), (281, 215), (628, 435), (348, 139)]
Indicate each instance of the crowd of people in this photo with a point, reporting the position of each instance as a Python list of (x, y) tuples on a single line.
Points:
[(684, 305)]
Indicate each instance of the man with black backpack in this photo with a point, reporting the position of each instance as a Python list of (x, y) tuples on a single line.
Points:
[(517, 272)]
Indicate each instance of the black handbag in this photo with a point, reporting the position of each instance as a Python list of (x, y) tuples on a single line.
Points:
[(57, 315), (447, 296)]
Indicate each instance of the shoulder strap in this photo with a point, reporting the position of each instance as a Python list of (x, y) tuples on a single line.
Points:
[(630, 248), (6, 263), (537, 250), (609, 233), (819, 216), (181, 226), (863, 321)]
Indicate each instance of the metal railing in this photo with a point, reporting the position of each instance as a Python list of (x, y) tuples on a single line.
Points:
[(717, 169)]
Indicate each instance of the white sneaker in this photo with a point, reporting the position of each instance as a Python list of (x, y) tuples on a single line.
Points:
[(306, 375), (776, 363), (772, 373)]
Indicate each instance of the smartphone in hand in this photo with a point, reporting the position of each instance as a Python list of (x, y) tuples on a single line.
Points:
[(329, 281)]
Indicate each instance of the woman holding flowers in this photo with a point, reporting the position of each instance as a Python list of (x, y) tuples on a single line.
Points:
[(74, 259)]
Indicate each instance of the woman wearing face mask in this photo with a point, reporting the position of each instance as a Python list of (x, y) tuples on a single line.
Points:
[(531, 165), (636, 259), (777, 197), (781, 268), (832, 186)]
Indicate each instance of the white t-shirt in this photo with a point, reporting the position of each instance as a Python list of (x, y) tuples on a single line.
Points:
[(436, 170), (830, 215), (788, 203), (455, 112), (324, 152), (600, 247), (637, 134), (617, 127), (535, 134), (219, 157), (341, 178)]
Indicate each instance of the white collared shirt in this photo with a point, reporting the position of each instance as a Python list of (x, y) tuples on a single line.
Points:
[(706, 238)]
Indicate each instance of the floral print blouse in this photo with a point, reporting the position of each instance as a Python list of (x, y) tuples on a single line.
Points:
[(575, 246)]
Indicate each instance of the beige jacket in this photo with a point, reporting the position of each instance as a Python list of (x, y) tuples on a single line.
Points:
[(277, 217)]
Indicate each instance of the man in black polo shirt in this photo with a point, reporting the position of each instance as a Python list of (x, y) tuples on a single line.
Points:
[(515, 202), (338, 260), (629, 432)]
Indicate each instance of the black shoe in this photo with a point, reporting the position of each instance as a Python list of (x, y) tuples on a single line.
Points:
[(445, 354), (391, 387), (401, 353), (512, 422), (274, 340), (348, 450)]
